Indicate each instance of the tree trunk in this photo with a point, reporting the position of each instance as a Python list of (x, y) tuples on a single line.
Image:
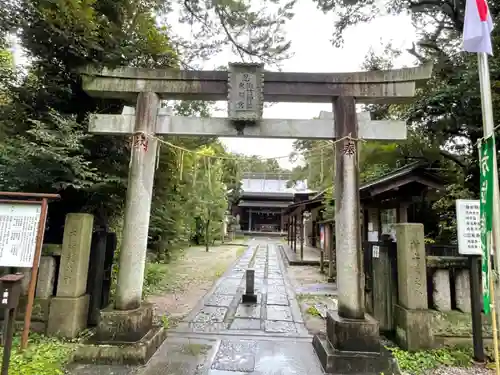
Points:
[(207, 234)]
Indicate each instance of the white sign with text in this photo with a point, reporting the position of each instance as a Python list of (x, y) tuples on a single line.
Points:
[(468, 227), (18, 231)]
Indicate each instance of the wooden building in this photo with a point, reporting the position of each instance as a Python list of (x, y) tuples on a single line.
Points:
[(393, 198), (264, 198)]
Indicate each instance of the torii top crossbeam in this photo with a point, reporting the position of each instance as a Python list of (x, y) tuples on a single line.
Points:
[(384, 86)]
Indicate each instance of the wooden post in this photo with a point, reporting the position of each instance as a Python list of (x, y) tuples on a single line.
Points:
[(384, 285), (288, 231), (331, 252), (294, 237), (11, 290), (301, 226), (34, 274)]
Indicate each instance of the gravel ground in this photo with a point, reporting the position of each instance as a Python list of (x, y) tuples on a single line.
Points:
[(475, 370), (304, 275), (190, 277)]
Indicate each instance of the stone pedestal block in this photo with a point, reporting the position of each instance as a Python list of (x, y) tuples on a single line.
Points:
[(25, 282), (137, 353), (46, 277), (351, 334), (123, 337), (441, 294), (125, 326), (75, 255), (353, 347), (412, 272), (68, 316), (335, 362), (413, 328), (40, 311), (462, 291), (38, 327)]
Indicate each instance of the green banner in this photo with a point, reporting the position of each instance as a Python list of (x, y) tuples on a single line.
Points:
[(486, 212)]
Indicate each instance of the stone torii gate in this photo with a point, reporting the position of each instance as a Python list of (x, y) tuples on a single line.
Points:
[(246, 87)]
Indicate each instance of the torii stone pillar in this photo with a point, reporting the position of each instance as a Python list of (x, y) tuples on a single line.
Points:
[(350, 275), (138, 204)]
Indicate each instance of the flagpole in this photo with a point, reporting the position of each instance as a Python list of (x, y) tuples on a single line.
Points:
[(489, 131)]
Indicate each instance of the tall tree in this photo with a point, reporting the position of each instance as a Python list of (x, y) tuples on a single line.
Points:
[(210, 199), (46, 147)]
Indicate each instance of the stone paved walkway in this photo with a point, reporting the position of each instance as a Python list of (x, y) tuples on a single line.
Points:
[(276, 312), (223, 336)]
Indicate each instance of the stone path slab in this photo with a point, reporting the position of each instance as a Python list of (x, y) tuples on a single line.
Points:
[(223, 336), (276, 307)]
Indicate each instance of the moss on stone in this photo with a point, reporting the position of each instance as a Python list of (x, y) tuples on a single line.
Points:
[(456, 323)]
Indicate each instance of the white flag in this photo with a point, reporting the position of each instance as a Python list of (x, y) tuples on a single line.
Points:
[(477, 27)]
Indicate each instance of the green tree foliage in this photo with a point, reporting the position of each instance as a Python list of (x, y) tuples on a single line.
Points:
[(173, 208), (318, 163), (210, 203), (47, 147), (445, 118), (44, 146), (253, 29), (256, 164)]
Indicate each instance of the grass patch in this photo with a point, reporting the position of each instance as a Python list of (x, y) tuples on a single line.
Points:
[(195, 349), (418, 363), (155, 276), (240, 251), (309, 298), (312, 310), (219, 270), (192, 265), (43, 356)]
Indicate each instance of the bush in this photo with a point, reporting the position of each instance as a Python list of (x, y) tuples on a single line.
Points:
[(153, 276), (43, 356), (419, 362)]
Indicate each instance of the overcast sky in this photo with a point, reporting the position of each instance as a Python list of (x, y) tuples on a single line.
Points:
[(310, 32)]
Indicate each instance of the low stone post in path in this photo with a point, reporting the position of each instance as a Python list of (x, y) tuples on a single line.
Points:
[(413, 319), (249, 296)]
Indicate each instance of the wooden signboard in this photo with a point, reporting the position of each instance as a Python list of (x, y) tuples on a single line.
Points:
[(22, 227), (18, 230)]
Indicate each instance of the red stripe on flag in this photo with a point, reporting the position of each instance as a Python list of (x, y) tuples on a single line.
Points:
[(482, 9)]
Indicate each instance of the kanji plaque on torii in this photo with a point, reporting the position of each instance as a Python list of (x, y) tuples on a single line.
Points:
[(245, 91)]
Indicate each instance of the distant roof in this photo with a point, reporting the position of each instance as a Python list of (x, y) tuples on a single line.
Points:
[(268, 175), (414, 172), (244, 203), (273, 185)]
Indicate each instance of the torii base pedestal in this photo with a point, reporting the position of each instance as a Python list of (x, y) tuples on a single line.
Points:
[(123, 337), (353, 347)]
